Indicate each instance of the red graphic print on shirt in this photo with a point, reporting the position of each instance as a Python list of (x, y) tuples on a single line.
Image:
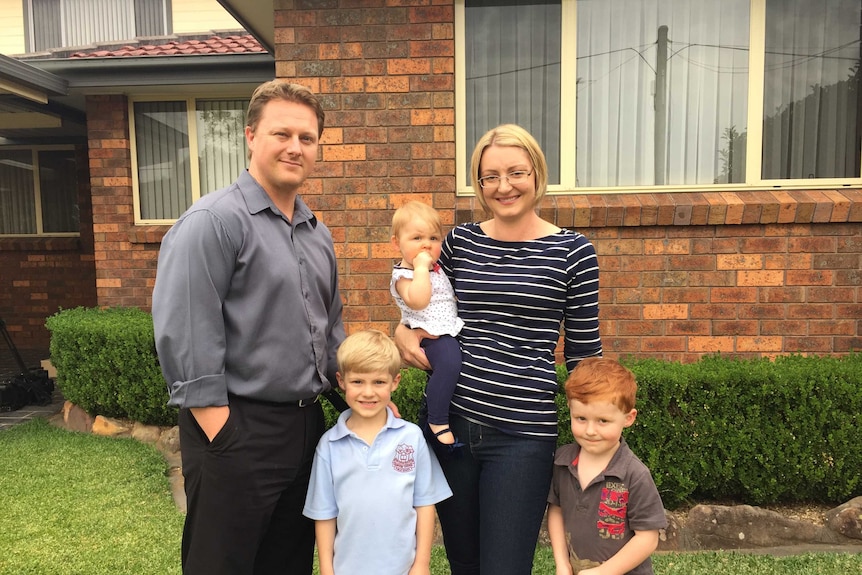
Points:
[(403, 460), (612, 511)]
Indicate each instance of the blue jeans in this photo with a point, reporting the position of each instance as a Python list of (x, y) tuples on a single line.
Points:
[(500, 484)]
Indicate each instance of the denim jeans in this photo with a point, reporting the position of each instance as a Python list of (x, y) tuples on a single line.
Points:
[(500, 484)]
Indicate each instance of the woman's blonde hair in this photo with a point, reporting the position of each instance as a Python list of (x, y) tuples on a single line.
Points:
[(414, 210), (368, 351), (515, 136)]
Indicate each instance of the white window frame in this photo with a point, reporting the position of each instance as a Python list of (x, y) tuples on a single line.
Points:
[(37, 191), (191, 106), (568, 127)]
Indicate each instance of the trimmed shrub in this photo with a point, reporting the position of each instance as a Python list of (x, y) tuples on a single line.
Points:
[(106, 363), (753, 431)]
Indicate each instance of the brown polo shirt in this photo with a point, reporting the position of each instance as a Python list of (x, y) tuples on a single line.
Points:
[(603, 518)]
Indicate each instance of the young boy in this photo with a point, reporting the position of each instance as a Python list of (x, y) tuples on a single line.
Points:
[(604, 511), (374, 481), (425, 297)]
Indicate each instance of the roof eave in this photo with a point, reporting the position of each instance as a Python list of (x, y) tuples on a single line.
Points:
[(160, 70), (257, 17)]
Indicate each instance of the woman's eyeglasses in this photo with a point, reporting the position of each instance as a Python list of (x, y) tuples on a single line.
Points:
[(514, 178)]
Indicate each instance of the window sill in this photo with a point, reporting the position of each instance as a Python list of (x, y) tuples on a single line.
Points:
[(40, 244), (689, 209)]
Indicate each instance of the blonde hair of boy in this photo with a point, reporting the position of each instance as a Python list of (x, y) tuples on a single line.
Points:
[(601, 379), (368, 351), (414, 210)]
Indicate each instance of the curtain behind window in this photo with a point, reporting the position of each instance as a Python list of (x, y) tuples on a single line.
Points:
[(58, 185), (513, 71), (90, 21), (162, 143), (56, 23), (222, 148), (17, 193), (811, 94), (662, 91)]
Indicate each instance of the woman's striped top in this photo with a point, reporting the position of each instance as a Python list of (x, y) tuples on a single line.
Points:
[(513, 298)]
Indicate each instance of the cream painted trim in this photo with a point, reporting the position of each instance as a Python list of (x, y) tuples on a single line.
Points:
[(25, 120), (568, 85), (23, 91), (756, 69), (462, 186)]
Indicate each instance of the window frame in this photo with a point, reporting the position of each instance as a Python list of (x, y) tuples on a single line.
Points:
[(30, 25), (568, 117), (191, 123), (37, 190)]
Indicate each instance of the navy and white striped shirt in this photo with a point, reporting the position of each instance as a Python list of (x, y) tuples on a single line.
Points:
[(513, 298)]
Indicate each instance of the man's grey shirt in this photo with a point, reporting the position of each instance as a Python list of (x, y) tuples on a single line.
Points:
[(246, 301)]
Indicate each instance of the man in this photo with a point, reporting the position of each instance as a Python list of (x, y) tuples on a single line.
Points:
[(247, 317)]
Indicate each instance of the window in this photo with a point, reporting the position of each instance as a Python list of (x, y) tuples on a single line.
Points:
[(62, 23), (38, 192), (670, 93), (183, 149)]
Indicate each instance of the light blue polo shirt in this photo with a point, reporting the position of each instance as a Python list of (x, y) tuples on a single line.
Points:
[(372, 491)]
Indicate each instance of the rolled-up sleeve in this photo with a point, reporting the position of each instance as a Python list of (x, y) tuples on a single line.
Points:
[(195, 266)]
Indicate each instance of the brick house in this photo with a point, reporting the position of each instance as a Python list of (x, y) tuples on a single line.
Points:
[(727, 213)]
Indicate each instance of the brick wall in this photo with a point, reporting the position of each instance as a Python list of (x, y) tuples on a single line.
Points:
[(38, 276), (743, 273), (125, 254)]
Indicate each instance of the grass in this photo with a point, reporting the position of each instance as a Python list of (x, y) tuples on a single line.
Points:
[(75, 504)]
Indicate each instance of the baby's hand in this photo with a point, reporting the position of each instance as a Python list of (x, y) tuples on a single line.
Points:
[(423, 260)]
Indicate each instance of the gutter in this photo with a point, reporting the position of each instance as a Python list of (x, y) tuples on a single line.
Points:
[(32, 77), (171, 70)]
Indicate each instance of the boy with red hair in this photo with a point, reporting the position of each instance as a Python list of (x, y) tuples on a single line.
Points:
[(604, 511)]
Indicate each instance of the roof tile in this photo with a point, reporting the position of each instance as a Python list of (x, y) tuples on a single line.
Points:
[(236, 44)]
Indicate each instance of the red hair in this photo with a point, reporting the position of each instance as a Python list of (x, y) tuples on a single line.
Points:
[(600, 379)]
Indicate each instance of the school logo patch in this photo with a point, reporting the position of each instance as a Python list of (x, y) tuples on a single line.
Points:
[(403, 461), (613, 508)]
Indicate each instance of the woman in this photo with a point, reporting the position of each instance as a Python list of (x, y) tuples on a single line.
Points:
[(518, 278)]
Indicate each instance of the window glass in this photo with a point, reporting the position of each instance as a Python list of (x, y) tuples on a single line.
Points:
[(59, 23), (222, 149), (162, 144), (513, 71), (58, 184), (811, 91), (175, 168), (661, 91), (17, 193)]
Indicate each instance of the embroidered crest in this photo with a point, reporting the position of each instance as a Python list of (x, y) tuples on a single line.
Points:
[(403, 461), (612, 511)]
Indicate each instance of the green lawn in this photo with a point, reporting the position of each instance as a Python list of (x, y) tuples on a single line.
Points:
[(81, 504)]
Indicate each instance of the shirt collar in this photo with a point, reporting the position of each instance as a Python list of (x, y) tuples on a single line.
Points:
[(615, 468), (341, 431), (257, 200)]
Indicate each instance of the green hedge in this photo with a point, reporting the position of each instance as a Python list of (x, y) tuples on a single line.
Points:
[(755, 431), (106, 363)]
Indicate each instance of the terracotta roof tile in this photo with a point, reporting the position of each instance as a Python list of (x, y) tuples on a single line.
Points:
[(236, 44)]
